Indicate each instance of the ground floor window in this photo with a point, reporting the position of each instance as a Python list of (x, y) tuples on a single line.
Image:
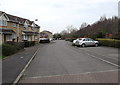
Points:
[(36, 37), (25, 37), (8, 37)]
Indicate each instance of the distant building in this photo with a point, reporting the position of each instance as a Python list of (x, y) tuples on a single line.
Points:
[(17, 29), (46, 34)]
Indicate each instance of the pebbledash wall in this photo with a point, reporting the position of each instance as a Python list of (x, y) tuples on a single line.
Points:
[(17, 29)]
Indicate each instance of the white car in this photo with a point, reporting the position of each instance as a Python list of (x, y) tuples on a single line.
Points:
[(85, 42), (44, 40)]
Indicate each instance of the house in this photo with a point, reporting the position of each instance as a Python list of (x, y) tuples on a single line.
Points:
[(17, 29), (46, 34)]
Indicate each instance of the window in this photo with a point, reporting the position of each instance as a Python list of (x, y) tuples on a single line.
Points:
[(3, 23), (86, 39), (25, 37), (36, 37), (0, 22), (33, 28), (25, 26), (14, 25), (8, 37), (91, 39)]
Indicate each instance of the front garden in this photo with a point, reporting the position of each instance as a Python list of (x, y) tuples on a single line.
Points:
[(10, 48)]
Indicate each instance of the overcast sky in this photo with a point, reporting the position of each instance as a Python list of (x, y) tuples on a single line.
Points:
[(56, 15)]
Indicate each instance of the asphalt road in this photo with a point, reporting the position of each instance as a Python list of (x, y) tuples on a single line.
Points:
[(60, 58)]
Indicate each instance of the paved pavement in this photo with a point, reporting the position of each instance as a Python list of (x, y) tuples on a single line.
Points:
[(95, 77), (13, 65), (60, 58)]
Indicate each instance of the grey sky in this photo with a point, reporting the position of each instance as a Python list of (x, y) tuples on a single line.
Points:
[(56, 15), (119, 9)]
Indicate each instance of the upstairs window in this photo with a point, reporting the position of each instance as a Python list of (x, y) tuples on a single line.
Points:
[(25, 26), (14, 25), (3, 23), (0, 22), (33, 28)]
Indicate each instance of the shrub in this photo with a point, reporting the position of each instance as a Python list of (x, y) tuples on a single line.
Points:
[(70, 39), (32, 43), (8, 49), (19, 45), (29, 43), (109, 42)]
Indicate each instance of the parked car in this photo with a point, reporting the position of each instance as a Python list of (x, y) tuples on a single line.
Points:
[(83, 42), (44, 40), (51, 39)]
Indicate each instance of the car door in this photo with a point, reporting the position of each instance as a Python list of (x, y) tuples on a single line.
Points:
[(86, 41), (91, 42)]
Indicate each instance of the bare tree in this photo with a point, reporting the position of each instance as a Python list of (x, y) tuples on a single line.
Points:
[(71, 29), (83, 25)]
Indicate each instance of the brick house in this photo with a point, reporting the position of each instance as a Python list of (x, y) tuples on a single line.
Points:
[(46, 34), (17, 29)]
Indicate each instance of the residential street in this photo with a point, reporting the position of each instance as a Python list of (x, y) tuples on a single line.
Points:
[(60, 58)]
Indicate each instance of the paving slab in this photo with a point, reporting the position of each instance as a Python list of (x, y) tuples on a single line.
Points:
[(95, 77)]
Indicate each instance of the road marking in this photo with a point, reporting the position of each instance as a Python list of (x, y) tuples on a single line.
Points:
[(103, 60), (100, 58), (72, 74), (101, 55), (24, 69)]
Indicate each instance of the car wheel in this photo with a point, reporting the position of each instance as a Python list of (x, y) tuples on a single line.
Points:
[(96, 45), (83, 45)]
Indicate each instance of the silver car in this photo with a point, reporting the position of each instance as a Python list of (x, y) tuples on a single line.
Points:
[(85, 42)]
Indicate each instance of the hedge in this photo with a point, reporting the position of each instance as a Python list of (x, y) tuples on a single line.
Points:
[(19, 45), (10, 48), (70, 39), (29, 43), (109, 42)]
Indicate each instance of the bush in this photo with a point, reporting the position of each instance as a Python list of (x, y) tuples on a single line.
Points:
[(9, 48), (109, 42), (70, 39), (19, 45), (29, 43)]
